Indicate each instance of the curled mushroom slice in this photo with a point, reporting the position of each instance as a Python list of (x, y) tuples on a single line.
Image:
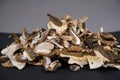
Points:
[(59, 25), (107, 36), (75, 40), (49, 65), (9, 51), (44, 47)]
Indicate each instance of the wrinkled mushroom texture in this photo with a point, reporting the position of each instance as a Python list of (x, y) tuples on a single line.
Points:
[(44, 47)]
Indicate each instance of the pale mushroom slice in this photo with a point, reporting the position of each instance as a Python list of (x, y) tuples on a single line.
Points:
[(81, 61), (59, 25), (76, 39), (74, 57), (28, 55), (95, 62), (9, 51), (19, 65), (49, 65), (44, 47)]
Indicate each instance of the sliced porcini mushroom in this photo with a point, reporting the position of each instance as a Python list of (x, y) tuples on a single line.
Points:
[(81, 61), (99, 51), (76, 39), (29, 55), (7, 64), (43, 36), (55, 20), (19, 65), (107, 36), (59, 25), (74, 67), (9, 51), (49, 65), (74, 57), (95, 62), (44, 47)]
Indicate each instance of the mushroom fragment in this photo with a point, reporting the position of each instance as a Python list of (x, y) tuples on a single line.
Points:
[(66, 40), (55, 23), (44, 47), (49, 65)]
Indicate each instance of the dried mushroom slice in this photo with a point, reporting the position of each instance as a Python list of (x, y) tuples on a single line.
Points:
[(49, 65), (74, 67), (7, 64), (44, 47), (108, 36), (59, 25), (95, 62)]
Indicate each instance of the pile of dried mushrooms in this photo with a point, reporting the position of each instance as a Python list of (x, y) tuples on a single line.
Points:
[(66, 40)]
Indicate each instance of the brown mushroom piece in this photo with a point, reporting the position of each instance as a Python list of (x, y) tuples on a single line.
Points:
[(59, 25), (49, 65)]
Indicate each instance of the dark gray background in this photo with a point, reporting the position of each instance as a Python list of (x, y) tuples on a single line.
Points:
[(17, 14)]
